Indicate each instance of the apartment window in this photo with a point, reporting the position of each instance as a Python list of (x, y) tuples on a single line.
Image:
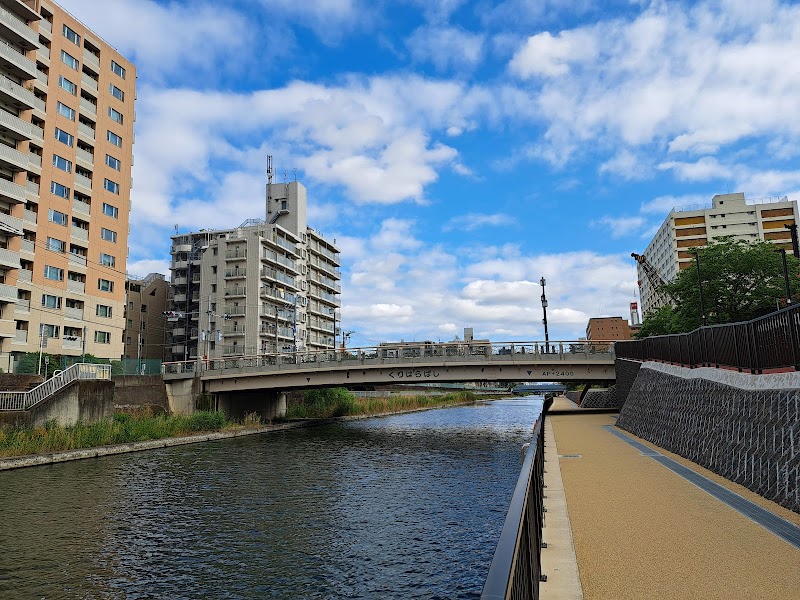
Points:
[(114, 163), (57, 217), (103, 311), (116, 92), (59, 162), (72, 36), (102, 337), (107, 260), (64, 137), (59, 190), (53, 273), (69, 60), (117, 69), (115, 115), (56, 245), (65, 111), (109, 210), (113, 138), (144, 308), (112, 187), (49, 301), (108, 235), (50, 331), (68, 85), (104, 285)]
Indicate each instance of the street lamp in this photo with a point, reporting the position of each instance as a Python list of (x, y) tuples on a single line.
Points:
[(795, 246), (700, 285), (544, 320)]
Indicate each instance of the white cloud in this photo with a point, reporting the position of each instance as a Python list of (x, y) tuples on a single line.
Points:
[(704, 169), (661, 205), (545, 55), (620, 226), (627, 165), (473, 221), (446, 47)]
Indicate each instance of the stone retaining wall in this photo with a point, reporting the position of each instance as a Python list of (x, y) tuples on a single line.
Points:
[(574, 396), (741, 426), (626, 371), (600, 398), (140, 390)]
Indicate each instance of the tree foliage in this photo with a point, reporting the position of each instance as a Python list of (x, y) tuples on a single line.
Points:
[(741, 280)]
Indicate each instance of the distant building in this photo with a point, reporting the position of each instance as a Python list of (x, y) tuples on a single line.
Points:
[(695, 226), (146, 301), (608, 328)]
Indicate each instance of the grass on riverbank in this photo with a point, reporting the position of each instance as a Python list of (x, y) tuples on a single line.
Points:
[(339, 402), (137, 426)]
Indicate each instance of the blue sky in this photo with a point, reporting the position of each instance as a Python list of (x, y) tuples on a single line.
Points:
[(458, 151)]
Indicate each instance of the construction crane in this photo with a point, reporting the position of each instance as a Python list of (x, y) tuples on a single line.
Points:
[(658, 295)]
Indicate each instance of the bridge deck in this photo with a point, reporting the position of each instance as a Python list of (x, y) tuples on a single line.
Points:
[(642, 531)]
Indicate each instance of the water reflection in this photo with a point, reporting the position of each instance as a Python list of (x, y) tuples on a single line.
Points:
[(402, 507)]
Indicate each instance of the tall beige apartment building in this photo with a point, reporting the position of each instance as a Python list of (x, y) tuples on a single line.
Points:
[(728, 215), (269, 285), (66, 127)]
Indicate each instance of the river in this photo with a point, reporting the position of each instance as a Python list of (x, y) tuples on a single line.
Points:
[(408, 506)]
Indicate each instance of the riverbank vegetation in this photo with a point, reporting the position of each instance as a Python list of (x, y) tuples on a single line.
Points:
[(125, 427), (338, 402)]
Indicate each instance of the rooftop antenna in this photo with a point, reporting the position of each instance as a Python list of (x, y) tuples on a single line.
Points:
[(285, 183), (176, 229), (269, 185)]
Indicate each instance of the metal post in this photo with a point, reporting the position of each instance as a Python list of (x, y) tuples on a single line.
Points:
[(786, 276), (795, 246), (139, 354), (700, 285), (83, 345), (41, 346), (544, 320)]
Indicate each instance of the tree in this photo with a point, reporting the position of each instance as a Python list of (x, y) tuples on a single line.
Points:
[(741, 280)]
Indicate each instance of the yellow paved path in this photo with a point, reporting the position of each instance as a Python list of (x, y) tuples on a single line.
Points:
[(641, 531)]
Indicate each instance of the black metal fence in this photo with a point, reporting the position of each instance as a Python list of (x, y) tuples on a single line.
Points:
[(516, 568), (766, 343)]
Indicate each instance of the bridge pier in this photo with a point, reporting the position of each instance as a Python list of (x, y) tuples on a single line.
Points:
[(268, 404)]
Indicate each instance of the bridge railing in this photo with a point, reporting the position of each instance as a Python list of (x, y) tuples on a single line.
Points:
[(30, 398), (770, 342), (516, 568), (413, 352)]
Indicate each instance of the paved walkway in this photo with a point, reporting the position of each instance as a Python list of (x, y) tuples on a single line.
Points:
[(642, 531)]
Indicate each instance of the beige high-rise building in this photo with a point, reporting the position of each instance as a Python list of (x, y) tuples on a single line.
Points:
[(66, 127), (145, 333), (728, 215)]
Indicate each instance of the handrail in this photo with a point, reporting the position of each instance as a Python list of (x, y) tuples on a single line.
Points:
[(30, 398)]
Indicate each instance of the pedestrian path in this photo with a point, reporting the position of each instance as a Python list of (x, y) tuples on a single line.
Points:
[(642, 531)]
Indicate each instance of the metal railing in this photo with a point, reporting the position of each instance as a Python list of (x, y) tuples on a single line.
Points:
[(30, 398), (768, 342), (516, 568)]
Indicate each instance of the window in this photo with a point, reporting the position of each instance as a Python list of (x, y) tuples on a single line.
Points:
[(68, 85), (116, 92), (115, 115), (144, 308), (113, 162), (111, 187), (65, 111), (117, 69), (108, 235), (69, 60), (103, 311), (104, 285), (58, 218), (102, 337), (59, 162), (109, 210), (59, 190), (113, 138), (64, 137), (53, 273), (56, 245), (49, 301), (107, 260), (72, 36), (50, 331)]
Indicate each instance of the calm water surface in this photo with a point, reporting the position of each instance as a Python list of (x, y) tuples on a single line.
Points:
[(409, 506)]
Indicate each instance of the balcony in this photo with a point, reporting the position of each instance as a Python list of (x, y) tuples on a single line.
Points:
[(17, 30), (72, 312), (87, 132), (8, 328), (17, 95), (11, 192), (8, 293), (43, 54), (236, 255), (180, 281), (181, 248), (80, 234), (235, 273), (18, 129), (67, 344), (14, 159), (179, 298), (35, 163), (85, 158), (11, 224), (16, 62), (32, 188), (235, 291), (77, 287), (88, 108), (9, 259), (180, 264), (269, 293), (89, 84), (83, 181), (91, 60), (231, 330), (76, 261), (21, 336), (81, 207), (24, 276), (29, 218)]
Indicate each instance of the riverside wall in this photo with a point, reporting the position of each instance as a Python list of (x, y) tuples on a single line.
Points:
[(135, 391), (743, 427)]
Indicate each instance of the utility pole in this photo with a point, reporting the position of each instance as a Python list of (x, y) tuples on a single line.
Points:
[(139, 354), (544, 320), (83, 345)]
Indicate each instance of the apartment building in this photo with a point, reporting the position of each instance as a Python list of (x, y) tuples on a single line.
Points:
[(609, 328), (145, 328), (66, 127), (263, 287), (728, 215)]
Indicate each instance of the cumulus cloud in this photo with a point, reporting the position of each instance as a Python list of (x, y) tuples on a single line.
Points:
[(446, 47), (619, 226), (473, 221)]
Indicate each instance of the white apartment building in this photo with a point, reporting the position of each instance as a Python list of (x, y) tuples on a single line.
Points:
[(728, 215), (266, 286), (66, 151)]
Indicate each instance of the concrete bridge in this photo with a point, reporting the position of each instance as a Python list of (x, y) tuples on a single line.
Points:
[(250, 380)]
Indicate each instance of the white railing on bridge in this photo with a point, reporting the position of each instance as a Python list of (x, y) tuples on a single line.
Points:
[(28, 399), (405, 353)]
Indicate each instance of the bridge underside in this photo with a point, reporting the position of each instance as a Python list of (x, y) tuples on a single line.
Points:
[(235, 380)]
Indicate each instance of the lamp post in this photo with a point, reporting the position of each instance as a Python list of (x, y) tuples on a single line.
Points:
[(795, 246), (700, 285), (785, 276), (544, 320)]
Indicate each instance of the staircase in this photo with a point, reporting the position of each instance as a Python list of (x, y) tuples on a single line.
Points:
[(61, 379)]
